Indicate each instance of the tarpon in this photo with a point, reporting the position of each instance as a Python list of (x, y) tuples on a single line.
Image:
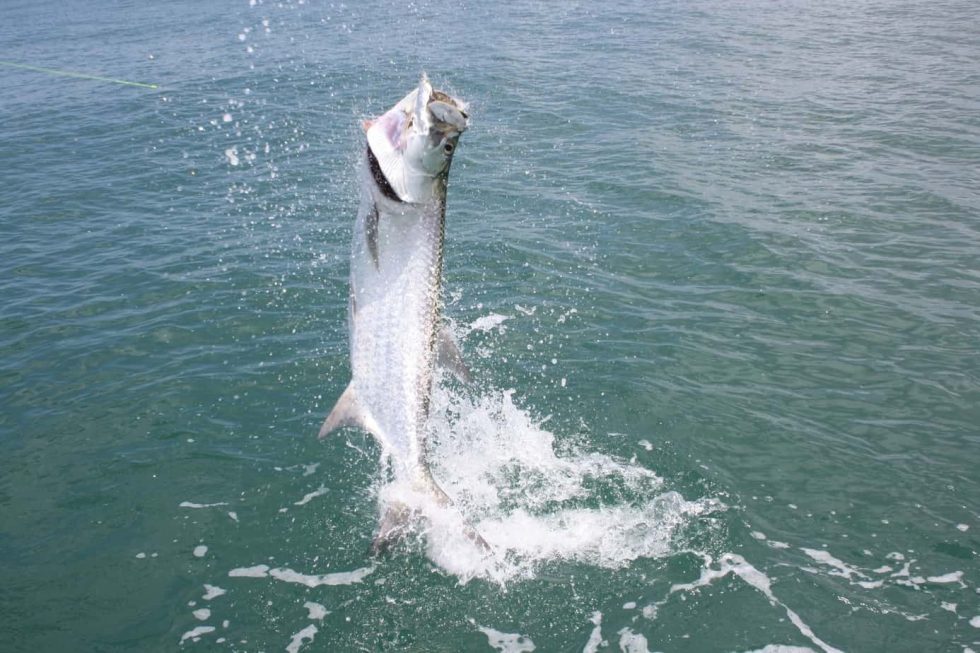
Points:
[(394, 312)]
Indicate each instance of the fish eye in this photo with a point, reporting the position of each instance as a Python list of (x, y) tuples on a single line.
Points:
[(448, 148)]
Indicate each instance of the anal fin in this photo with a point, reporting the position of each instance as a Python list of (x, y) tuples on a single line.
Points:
[(346, 412)]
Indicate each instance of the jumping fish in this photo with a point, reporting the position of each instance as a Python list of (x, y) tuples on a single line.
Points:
[(394, 312)]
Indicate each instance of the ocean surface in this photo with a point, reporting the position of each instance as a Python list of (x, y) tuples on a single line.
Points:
[(715, 266)]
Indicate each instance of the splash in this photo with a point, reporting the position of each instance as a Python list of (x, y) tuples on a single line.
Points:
[(534, 501)]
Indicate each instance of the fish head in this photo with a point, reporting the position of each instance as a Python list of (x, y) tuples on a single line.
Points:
[(415, 140)]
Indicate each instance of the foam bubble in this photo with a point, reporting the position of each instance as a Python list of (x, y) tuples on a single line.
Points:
[(319, 492), (316, 611), (310, 580), (190, 504), (630, 642), (595, 638), (195, 633), (508, 642), (297, 640), (488, 322), (258, 571), (841, 568), (951, 577), (212, 592), (311, 468)]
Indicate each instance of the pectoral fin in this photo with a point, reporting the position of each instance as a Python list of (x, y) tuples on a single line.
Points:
[(347, 412), (449, 356)]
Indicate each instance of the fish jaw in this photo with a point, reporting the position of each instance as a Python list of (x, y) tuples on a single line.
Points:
[(415, 140)]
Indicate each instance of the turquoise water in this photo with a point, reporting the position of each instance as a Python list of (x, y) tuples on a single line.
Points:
[(715, 267)]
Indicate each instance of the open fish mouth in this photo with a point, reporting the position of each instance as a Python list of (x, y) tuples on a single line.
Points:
[(447, 113), (414, 141)]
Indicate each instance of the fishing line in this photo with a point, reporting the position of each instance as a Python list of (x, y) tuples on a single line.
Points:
[(68, 73)]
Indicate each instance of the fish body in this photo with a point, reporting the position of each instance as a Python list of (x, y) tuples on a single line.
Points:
[(394, 318)]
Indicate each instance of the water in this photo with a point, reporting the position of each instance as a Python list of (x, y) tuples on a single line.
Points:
[(714, 266)]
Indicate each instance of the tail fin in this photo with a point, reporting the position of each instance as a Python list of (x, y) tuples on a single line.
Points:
[(471, 533), (394, 522)]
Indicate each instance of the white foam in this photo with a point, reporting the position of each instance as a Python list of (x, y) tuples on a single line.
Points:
[(196, 633), (951, 577), (232, 155), (781, 648), (258, 571), (731, 563), (507, 642), (310, 469), (297, 640), (200, 551), (962, 527), (630, 642), (316, 610), (975, 621), (319, 492), (595, 638), (233, 515), (646, 445), (841, 568), (202, 615), (529, 502), (188, 504), (487, 323), (141, 555), (212, 592), (310, 580), (904, 571)]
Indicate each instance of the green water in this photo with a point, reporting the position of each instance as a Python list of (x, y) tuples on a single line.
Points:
[(714, 265)]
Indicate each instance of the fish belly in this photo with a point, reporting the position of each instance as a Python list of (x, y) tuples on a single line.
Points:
[(394, 315)]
